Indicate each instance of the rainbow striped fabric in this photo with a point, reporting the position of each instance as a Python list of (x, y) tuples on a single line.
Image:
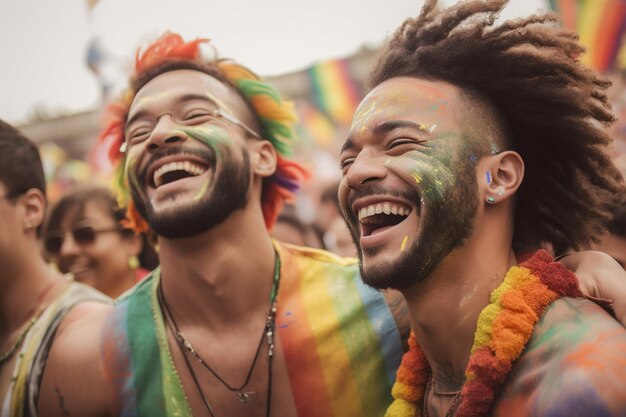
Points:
[(599, 23), (340, 343)]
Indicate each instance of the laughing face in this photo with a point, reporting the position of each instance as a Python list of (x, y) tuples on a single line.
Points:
[(187, 164), (409, 192)]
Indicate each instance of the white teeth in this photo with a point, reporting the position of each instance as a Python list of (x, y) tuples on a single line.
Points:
[(380, 208), (187, 166)]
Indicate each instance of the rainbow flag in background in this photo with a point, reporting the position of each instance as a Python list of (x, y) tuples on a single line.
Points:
[(600, 25), (316, 124), (334, 90)]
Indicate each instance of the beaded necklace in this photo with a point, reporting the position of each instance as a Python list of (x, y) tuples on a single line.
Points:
[(185, 346), (504, 327)]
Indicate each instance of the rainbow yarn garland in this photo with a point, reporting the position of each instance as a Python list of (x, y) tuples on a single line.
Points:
[(504, 327)]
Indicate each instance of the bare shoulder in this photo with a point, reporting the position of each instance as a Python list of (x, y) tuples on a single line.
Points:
[(74, 382), (573, 365)]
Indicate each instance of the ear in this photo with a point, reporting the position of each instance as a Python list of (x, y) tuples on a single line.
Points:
[(33, 202), (263, 158), (500, 176)]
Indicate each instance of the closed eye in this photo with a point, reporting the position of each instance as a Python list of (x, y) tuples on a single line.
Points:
[(198, 114), (344, 164), (139, 134), (402, 141)]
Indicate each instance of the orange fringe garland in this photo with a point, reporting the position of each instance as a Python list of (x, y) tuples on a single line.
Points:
[(504, 327)]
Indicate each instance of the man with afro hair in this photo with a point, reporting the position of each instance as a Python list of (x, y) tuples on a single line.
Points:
[(480, 143)]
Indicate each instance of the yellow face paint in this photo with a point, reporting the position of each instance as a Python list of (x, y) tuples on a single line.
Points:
[(403, 246), (202, 191)]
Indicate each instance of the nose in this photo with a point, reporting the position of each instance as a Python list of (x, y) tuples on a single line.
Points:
[(69, 247), (366, 168), (165, 133)]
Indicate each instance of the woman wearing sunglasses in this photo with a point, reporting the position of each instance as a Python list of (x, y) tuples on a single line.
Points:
[(83, 236)]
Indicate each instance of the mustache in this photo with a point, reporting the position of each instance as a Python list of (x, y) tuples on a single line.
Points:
[(175, 150), (377, 189)]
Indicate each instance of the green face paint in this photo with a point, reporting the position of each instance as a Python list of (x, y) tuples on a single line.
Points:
[(214, 137), (435, 169)]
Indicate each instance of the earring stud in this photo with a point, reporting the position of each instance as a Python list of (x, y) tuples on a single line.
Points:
[(491, 199)]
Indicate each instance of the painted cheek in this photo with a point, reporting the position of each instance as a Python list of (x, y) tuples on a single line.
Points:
[(202, 191), (428, 173), (343, 195), (131, 173), (214, 137), (364, 113)]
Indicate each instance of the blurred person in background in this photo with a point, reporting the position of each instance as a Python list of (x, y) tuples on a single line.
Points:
[(337, 239), (327, 210), (84, 237), (36, 302), (289, 228)]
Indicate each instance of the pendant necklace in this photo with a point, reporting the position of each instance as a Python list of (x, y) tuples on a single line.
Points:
[(244, 397)]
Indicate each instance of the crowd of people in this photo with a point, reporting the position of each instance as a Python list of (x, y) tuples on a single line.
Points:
[(457, 268)]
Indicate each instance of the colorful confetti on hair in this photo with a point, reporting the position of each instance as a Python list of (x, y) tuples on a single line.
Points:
[(275, 114), (503, 329)]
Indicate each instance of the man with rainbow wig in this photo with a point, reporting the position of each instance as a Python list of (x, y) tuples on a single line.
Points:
[(232, 323)]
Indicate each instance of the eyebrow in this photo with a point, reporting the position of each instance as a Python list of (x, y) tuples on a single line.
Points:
[(389, 125), (178, 101), (386, 127)]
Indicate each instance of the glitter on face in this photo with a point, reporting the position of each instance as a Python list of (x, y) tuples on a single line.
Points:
[(500, 191), (431, 168), (488, 177)]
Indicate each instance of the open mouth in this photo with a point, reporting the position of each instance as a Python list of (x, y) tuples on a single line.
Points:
[(174, 171), (378, 217)]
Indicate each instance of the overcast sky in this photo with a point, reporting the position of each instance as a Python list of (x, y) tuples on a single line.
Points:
[(43, 43)]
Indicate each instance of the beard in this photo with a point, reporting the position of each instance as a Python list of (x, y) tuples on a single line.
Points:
[(447, 226), (228, 194)]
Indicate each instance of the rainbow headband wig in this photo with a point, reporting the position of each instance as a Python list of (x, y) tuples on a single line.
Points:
[(276, 117)]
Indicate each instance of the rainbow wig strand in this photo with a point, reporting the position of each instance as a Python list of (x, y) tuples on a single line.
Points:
[(276, 118)]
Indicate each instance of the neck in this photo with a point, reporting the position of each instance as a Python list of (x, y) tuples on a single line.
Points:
[(460, 287), (28, 284), (221, 277)]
